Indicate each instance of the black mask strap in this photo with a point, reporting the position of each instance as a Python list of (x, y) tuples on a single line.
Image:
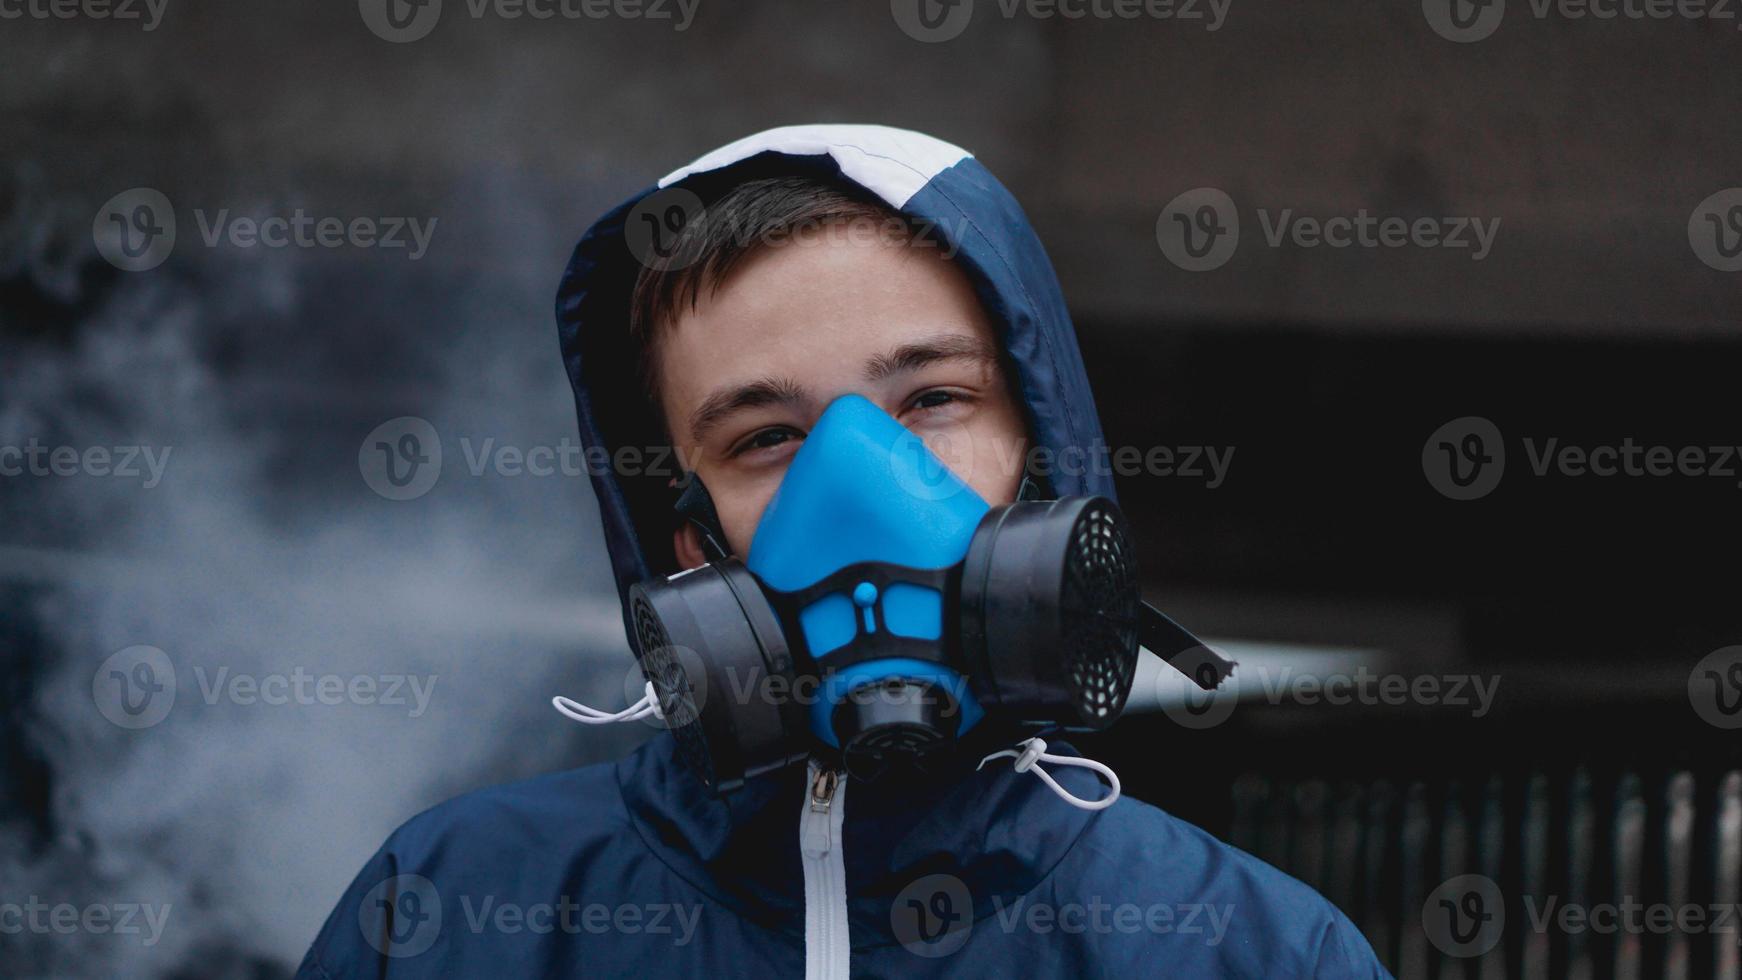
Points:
[(1186, 653), (696, 507)]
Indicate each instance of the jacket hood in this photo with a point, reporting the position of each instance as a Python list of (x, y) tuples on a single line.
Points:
[(939, 186)]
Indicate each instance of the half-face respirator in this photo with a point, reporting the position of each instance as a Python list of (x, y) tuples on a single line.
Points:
[(885, 609)]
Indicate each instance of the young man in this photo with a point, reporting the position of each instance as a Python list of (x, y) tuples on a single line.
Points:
[(799, 276)]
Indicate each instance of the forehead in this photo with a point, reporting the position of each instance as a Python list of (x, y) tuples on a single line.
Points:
[(815, 314)]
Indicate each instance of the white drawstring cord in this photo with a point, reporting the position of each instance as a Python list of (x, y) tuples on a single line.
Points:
[(1034, 751), (576, 711)]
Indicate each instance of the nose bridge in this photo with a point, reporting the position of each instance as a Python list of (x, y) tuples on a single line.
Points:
[(854, 407), (848, 404), (861, 488), (854, 424)]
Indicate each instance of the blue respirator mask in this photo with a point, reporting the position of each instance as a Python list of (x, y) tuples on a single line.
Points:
[(885, 610)]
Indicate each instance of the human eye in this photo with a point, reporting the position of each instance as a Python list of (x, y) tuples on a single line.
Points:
[(762, 440), (933, 400)]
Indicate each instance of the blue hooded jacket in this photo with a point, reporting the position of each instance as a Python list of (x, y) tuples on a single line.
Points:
[(634, 868)]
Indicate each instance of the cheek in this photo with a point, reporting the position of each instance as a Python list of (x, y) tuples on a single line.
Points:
[(989, 460), (997, 477), (740, 505)]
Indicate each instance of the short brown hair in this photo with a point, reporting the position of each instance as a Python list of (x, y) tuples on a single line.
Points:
[(751, 216)]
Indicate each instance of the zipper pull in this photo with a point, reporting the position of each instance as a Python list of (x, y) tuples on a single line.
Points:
[(818, 830), (823, 790)]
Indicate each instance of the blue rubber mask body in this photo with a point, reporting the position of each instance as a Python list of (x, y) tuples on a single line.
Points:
[(862, 488)]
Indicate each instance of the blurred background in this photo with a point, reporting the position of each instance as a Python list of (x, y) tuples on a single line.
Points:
[(1570, 279)]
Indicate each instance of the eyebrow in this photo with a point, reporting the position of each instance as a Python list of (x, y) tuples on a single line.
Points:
[(911, 357), (764, 391)]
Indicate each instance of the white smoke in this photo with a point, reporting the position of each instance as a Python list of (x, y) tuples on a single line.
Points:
[(263, 553)]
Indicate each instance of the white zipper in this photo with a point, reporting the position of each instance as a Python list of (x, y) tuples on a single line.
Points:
[(826, 944)]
